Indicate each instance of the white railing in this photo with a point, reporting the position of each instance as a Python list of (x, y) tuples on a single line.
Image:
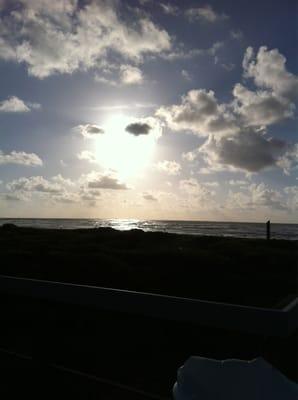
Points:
[(265, 321)]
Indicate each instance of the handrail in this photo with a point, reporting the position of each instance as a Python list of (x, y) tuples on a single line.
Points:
[(265, 321)]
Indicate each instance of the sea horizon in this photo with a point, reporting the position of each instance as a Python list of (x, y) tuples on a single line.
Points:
[(239, 229)]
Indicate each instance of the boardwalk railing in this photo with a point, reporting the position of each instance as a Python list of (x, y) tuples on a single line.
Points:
[(265, 321)]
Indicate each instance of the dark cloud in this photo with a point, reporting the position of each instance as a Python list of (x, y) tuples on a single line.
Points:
[(138, 128), (149, 197), (106, 182), (249, 151), (90, 130)]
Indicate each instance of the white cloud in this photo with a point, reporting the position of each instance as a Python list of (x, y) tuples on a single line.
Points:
[(238, 182), (34, 184), (186, 75), (268, 69), (289, 159), (255, 197), (20, 158), (33, 32), (64, 182), (199, 113), (205, 13), (181, 52), (130, 75), (190, 155), (236, 131), (261, 108), (14, 105), (107, 81), (87, 155), (211, 184), (197, 191), (126, 106), (292, 201), (169, 167), (169, 9), (57, 189)]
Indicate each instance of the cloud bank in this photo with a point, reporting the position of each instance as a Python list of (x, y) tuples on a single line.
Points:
[(32, 33), (236, 132)]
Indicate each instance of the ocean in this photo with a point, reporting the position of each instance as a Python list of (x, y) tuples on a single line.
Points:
[(232, 229)]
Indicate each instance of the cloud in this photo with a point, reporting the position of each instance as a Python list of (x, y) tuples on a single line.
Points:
[(169, 167), (32, 33), (57, 189), (20, 158), (211, 184), (180, 52), (199, 113), (14, 197), (255, 197), (197, 191), (149, 197), (236, 34), (186, 75), (268, 69), (238, 182), (205, 13), (248, 151), (169, 9), (15, 105), (90, 195), (87, 156), (138, 128), (34, 184), (132, 106), (89, 130), (190, 156), (105, 181), (228, 67), (62, 181), (236, 131), (292, 200), (289, 159), (130, 75), (65, 197), (261, 108)]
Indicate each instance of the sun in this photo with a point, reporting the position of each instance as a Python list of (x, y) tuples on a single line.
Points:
[(122, 151)]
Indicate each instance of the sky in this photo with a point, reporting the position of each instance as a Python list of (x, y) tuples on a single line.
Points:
[(149, 109)]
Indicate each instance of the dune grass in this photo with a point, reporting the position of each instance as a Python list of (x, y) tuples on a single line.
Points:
[(244, 271)]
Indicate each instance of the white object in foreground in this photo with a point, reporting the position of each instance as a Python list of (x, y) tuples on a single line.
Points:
[(206, 379)]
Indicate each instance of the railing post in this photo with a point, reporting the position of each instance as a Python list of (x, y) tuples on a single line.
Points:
[(268, 230)]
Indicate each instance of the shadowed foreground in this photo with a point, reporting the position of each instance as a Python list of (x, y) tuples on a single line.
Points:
[(241, 271), (134, 350)]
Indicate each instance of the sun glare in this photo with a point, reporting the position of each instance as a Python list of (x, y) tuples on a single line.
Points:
[(122, 151)]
